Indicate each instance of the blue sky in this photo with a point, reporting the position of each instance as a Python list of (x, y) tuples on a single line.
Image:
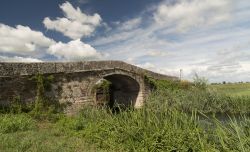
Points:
[(208, 37)]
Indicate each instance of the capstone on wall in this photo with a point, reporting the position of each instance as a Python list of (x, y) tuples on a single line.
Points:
[(73, 81)]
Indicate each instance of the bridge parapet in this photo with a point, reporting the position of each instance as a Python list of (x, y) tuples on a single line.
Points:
[(74, 81), (15, 69)]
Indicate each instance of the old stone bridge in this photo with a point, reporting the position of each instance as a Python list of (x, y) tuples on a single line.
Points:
[(74, 82)]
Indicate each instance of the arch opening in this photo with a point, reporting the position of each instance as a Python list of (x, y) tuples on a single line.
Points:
[(117, 90)]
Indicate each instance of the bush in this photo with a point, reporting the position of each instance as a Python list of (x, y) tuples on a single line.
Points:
[(185, 84), (12, 123), (162, 84), (200, 82)]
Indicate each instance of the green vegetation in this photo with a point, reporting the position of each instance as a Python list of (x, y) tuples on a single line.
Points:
[(233, 89), (43, 138), (173, 119), (102, 91), (12, 123), (197, 96), (204, 101), (44, 106), (149, 129)]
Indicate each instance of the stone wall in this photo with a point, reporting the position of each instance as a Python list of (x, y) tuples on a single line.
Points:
[(73, 81), (11, 69)]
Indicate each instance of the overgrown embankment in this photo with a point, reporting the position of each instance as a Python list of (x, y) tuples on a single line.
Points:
[(169, 121), (197, 96)]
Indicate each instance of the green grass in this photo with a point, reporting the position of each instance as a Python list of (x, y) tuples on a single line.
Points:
[(45, 138), (173, 119), (153, 128), (13, 123), (205, 101), (239, 89)]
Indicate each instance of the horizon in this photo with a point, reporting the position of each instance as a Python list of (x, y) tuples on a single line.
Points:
[(209, 37)]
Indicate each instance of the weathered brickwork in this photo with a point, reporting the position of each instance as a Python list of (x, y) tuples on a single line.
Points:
[(74, 81)]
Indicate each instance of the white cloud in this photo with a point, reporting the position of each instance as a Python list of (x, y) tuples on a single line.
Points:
[(157, 53), (192, 31), (73, 50), (122, 31), (18, 59), (22, 40), (22, 44), (207, 26), (186, 14), (147, 65), (75, 24), (130, 60), (26, 42), (129, 24), (118, 36), (159, 69)]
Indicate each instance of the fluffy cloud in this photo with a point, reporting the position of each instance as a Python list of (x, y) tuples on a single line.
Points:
[(143, 40), (73, 50), (75, 24), (147, 65), (209, 26), (18, 59), (22, 40), (186, 14), (158, 69)]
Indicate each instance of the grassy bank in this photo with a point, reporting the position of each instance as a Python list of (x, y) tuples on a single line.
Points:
[(169, 121), (153, 128)]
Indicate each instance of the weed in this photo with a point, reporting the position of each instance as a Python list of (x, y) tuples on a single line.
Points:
[(45, 107), (174, 118), (12, 123)]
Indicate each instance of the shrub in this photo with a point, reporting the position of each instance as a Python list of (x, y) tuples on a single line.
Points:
[(162, 84), (200, 82), (185, 84)]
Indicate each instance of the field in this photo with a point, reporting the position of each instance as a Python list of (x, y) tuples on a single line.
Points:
[(238, 89), (178, 116)]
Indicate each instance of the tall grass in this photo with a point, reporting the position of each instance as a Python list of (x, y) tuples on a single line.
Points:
[(205, 101), (12, 123), (156, 128), (198, 96), (171, 120), (174, 118)]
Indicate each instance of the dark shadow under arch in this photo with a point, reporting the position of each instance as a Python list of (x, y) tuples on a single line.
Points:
[(123, 90)]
